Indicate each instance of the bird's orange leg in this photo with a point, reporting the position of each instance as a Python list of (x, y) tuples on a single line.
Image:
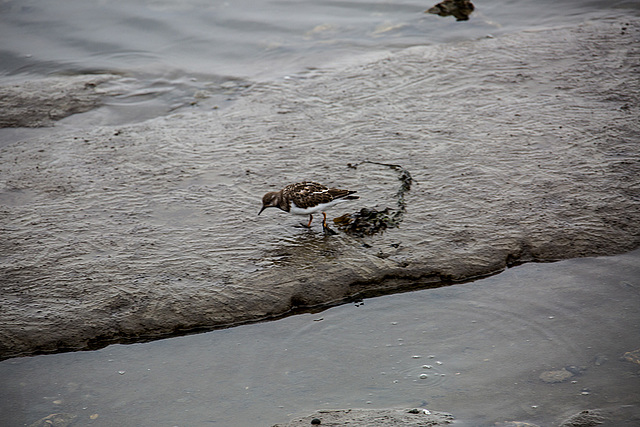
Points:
[(310, 219), (325, 227)]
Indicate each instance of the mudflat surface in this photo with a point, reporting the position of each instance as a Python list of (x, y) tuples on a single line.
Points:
[(40, 102), (522, 148)]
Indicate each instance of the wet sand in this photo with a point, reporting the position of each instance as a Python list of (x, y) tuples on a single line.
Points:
[(522, 148)]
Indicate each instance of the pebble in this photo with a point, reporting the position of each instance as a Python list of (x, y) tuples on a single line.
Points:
[(600, 360)]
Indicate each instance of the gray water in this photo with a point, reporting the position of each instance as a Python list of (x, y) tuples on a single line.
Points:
[(486, 343), (170, 50), (248, 39)]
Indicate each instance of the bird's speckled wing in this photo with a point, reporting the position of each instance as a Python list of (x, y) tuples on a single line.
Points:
[(308, 194)]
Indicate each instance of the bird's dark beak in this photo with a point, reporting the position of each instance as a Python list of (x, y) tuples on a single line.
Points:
[(263, 208)]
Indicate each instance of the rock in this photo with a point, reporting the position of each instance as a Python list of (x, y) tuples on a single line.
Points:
[(55, 420), (587, 418), (632, 356), (576, 370), (461, 9), (556, 376), (374, 418), (600, 360)]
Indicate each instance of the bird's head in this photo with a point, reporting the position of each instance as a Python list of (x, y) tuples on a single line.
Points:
[(270, 200)]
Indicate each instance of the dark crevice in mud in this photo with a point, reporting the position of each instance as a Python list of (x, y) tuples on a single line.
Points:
[(369, 221)]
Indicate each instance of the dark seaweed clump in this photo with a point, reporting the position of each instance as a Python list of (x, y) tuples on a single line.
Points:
[(369, 221)]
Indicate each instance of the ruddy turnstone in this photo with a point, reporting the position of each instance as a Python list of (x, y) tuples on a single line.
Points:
[(306, 198)]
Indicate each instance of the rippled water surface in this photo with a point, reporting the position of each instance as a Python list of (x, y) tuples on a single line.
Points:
[(173, 49), (247, 38), (482, 347)]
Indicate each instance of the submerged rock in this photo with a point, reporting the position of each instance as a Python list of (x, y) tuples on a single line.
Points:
[(373, 418), (556, 376), (55, 420), (587, 418), (632, 356)]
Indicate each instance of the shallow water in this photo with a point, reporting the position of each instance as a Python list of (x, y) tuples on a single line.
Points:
[(172, 50), (487, 343), (248, 38)]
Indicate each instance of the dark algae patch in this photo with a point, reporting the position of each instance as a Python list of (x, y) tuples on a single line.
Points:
[(369, 221)]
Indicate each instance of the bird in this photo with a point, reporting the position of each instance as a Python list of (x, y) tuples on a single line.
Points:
[(306, 198)]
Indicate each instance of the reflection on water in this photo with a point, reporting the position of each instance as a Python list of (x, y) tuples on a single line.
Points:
[(476, 350), (187, 43)]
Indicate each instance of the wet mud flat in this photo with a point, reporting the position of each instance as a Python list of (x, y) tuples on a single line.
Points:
[(521, 148)]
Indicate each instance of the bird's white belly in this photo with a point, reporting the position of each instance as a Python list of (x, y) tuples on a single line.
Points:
[(306, 211)]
